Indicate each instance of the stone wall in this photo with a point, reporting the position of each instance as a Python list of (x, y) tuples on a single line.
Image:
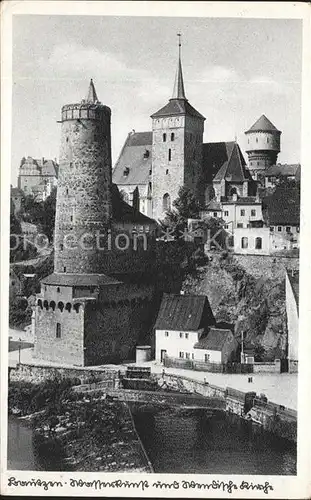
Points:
[(39, 373), (267, 266)]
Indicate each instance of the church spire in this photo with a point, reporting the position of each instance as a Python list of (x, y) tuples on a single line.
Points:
[(92, 96), (179, 89)]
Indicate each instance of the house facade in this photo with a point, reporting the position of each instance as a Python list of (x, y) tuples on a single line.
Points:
[(292, 313), (219, 346), (181, 322)]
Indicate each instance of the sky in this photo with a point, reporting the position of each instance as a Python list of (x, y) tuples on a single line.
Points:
[(234, 70)]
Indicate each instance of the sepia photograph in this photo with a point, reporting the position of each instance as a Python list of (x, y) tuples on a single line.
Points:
[(154, 233)]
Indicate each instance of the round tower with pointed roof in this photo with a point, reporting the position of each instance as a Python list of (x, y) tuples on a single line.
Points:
[(263, 145), (84, 184)]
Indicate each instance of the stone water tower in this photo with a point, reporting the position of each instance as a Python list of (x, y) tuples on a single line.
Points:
[(83, 207), (263, 146)]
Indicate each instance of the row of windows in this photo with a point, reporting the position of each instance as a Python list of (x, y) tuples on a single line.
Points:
[(172, 137), (186, 355), (258, 242), (288, 229), (181, 335), (257, 140), (242, 213)]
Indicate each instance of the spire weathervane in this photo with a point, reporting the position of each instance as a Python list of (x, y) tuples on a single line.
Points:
[(179, 90)]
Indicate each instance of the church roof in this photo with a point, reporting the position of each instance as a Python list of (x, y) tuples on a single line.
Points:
[(262, 125), (135, 161), (184, 312), (233, 169), (176, 107), (179, 89)]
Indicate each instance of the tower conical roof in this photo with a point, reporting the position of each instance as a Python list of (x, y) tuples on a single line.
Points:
[(263, 125), (179, 89), (92, 96)]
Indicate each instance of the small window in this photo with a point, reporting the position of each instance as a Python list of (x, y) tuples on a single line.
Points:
[(70, 164), (64, 269), (192, 356), (181, 335), (206, 358), (267, 139), (181, 354), (13, 283), (146, 153), (271, 229), (126, 171), (58, 330), (187, 355), (297, 229), (258, 243), (239, 225), (279, 228), (215, 214), (288, 229), (58, 289), (256, 139), (71, 218), (186, 335), (61, 247), (253, 213), (226, 213), (166, 334), (166, 172), (67, 191), (226, 226), (67, 139), (169, 154), (242, 212), (164, 137), (150, 171), (244, 242), (172, 136), (193, 155)]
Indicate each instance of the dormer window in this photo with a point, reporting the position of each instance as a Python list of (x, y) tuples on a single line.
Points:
[(147, 153), (126, 171)]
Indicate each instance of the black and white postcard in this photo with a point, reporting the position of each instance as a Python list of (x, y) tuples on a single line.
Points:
[(155, 200)]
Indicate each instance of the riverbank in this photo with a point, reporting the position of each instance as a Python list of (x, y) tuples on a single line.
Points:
[(86, 432)]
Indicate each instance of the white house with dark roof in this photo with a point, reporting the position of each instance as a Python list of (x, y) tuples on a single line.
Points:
[(218, 346), (37, 177), (182, 321)]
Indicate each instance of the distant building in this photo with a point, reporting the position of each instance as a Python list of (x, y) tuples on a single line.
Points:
[(16, 199), (37, 177), (292, 312), (182, 321), (278, 172), (218, 346)]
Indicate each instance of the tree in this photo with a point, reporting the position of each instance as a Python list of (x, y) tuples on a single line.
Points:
[(184, 207)]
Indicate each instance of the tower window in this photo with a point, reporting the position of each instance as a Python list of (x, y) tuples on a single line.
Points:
[(166, 171), (169, 155), (150, 171), (67, 192), (267, 139), (256, 139), (71, 218), (166, 202), (64, 269), (61, 247), (164, 137), (58, 289), (172, 136), (58, 330), (146, 154), (126, 171), (67, 139)]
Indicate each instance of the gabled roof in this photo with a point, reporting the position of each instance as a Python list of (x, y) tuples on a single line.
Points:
[(215, 339), (283, 170), (49, 168), (176, 107), (262, 125), (233, 169), (132, 160), (282, 207), (184, 312)]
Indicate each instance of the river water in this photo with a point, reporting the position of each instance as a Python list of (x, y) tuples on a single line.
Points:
[(220, 444), (176, 442)]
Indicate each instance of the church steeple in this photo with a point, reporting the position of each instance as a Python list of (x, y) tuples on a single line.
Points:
[(92, 96), (179, 89)]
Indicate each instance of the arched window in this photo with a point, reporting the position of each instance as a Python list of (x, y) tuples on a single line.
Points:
[(172, 136), (166, 202), (244, 242), (60, 306), (258, 243), (164, 137)]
